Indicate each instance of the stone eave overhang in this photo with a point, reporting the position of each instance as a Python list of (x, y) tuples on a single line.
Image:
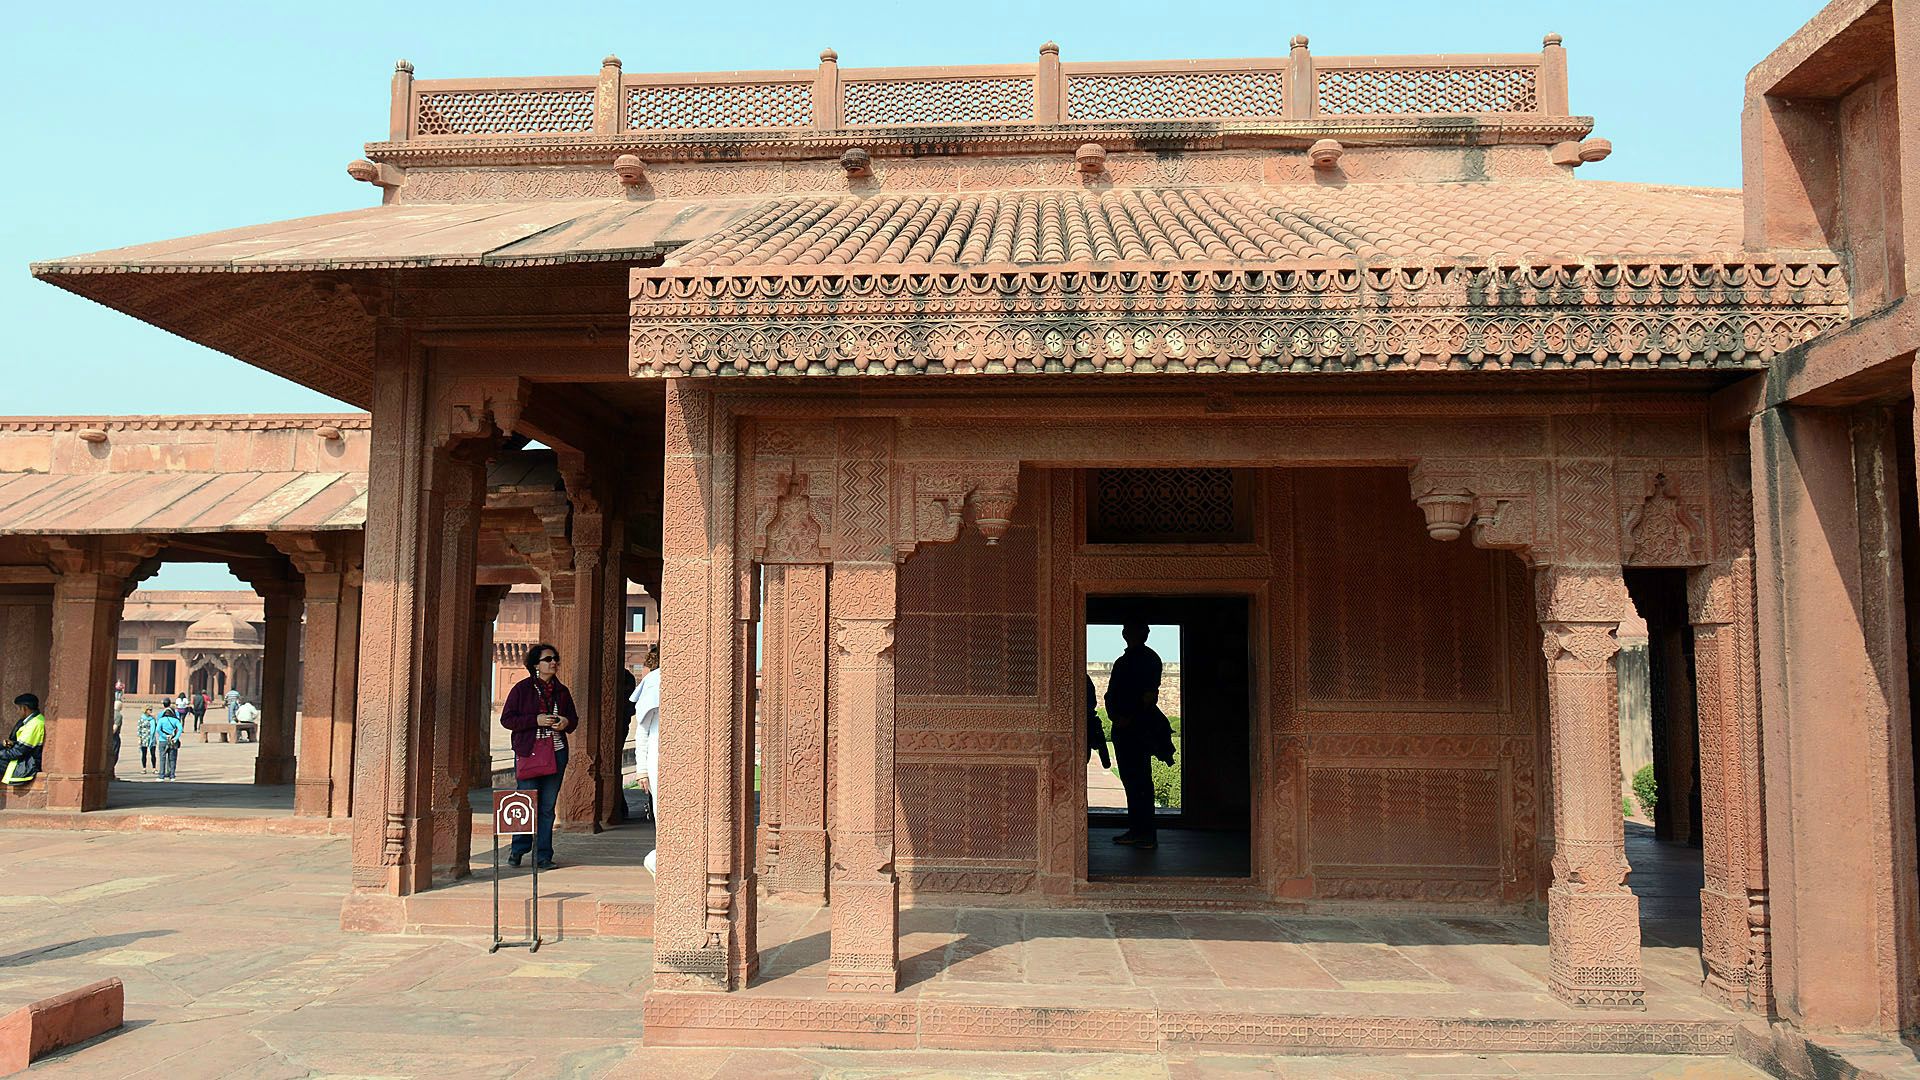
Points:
[(1701, 311), (984, 140)]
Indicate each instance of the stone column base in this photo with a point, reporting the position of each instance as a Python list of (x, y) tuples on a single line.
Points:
[(273, 770), (801, 873), (1593, 939), (312, 797), (83, 793), (863, 945)]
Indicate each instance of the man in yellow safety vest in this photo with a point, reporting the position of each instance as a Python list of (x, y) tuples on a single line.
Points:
[(21, 750)]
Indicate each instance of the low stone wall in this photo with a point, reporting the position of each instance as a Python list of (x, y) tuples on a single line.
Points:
[(1169, 685)]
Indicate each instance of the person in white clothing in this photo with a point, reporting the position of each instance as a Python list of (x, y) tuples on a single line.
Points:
[(646, 735)]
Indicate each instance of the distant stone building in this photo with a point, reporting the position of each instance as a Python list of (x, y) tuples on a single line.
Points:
[(174, 641), (1169, 684)]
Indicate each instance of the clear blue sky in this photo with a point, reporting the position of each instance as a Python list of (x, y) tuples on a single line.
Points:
[(130, 122)]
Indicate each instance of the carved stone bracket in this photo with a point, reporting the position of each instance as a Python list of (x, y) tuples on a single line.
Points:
[(480, 409), (793, 513), (1495, 500), (938, 497)]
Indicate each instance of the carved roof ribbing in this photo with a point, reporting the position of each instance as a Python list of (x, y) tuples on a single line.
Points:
[(1425, 222)]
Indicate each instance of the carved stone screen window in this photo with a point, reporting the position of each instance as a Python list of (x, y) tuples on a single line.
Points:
[(1170, 506), (969, 622)]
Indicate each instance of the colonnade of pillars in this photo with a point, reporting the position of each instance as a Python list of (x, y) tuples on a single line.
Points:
[(425, 659), (310, 673)]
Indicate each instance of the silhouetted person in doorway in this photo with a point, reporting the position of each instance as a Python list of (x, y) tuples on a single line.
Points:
[(1139, 729)]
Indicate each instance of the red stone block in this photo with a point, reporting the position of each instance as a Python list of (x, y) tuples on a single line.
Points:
[(38, 1029)]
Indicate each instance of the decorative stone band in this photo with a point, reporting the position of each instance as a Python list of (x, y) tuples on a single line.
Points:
[(1710, 314)]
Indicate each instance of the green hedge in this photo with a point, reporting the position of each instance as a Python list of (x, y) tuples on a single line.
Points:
[(1166, 778), (1646, 791)]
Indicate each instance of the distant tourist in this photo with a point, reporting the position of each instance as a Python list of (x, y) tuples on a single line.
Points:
[(646, 750), (247, 713), (233, 701), (629, 687), (539, 711), (21, 750), (1140, 731), (200, 702), (180, 706), (113, 760), (143, 731), (167, 729)]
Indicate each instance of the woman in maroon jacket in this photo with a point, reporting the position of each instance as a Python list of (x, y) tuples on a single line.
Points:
[(540, 708)]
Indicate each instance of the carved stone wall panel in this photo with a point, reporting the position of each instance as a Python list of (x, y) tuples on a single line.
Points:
[(969, 619), (953, 811), (1388, 618), (1664, 511)]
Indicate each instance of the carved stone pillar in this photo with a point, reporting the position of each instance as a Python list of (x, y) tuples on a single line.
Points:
[(329, 567), (863, 946), (280, 685), (702, 934), (771, 722), (1733, 901), (390, 854), (87, 600), (799, 669), (1593, 921), (462, 474), (579, 632), (486, 610)]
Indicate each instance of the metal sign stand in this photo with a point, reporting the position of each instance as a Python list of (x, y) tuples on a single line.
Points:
[(532, 945)]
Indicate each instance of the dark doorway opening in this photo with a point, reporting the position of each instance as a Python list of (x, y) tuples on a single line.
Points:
[(1204, 799)]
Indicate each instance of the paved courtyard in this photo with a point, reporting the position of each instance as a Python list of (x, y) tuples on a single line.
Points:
[(234, 965)]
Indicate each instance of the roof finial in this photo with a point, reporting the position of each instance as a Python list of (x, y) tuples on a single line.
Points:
[(828, 56), (1048, 47), (1299, 42), (1550, 40), (403, 65), (610, 61)]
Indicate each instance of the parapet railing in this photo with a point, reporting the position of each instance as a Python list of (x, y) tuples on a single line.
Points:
[(1298, 86)]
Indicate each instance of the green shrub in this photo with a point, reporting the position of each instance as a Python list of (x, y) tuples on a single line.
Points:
[(1166, 780), (1645, 791), (1626, 806)]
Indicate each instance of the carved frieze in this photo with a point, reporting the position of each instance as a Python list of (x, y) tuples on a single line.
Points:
[(899, 321)]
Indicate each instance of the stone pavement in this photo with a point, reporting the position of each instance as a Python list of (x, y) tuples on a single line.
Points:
[(235, 967)]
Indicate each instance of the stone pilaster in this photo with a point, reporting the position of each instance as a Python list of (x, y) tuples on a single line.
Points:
[(1593, 920), (799, 669), (579, 632)]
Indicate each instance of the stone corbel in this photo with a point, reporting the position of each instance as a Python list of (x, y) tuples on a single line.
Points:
[(482, 410), (112, 556), (1494, 501), (1576, 594), (943, 496), (309, 552)]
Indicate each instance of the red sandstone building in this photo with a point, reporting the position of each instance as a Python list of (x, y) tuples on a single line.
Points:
[(890, 381)]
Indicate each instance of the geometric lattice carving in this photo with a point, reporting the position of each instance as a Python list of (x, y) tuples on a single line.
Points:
[(504, 112), (1169, 506), (1428, 90), (969, 623), (1175, 95), (1403, 817), (719, 105), (1390, 616), (936, 101), (968, 811)]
